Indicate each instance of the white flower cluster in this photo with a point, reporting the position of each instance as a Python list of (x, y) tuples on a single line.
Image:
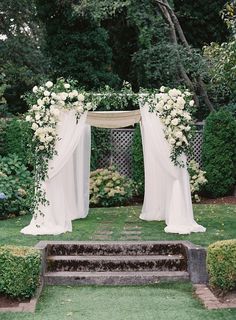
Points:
[(173, 107), (197, 179), (48, 101)]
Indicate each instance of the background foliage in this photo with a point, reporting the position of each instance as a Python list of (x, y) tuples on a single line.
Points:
[(219, 153)]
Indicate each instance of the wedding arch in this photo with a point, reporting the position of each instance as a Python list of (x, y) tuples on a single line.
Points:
[(61, 118)]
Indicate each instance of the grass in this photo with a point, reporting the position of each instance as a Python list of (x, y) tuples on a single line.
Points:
[(173, 301), (220, 221), (162, 302)]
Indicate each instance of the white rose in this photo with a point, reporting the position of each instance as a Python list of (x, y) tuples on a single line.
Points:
[(66, 85), (191, 103), (162, 89), (34, 126), (52, 102), (173, 113), (40, 102), (71, 95), (46, 93), (187, 116), (49, 84), (63, 96), (167, 121), (180, 102), (175, 122), (80, 97), (54, 95), (35, 89), (174, 92), (179, 134), (35, 107), (41, 147), (41, 88), (37, 116), (80, 109), (89, 106), (179, 143), (75, 92), (172, 141), (55, 112), (28, 118)]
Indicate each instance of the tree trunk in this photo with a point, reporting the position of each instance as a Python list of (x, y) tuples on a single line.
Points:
[(175, 28)]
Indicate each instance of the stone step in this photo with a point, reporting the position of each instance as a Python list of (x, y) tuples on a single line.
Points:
[(115, 248), (117, 263), (113, 278)]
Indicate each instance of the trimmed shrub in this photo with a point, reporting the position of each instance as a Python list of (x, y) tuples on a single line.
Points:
[(219, 153), (3, 126), (18, 138), (20, 271), (16, 186), (108, 188), (137, 161), (221, 263)]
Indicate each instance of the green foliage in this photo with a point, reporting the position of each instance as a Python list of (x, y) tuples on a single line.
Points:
[(219, 152), (21, 58), (100, 146), (221, 263), (18, 139), (108, 188), (78, 47), (201, 21), (16, 184), (19, 272), (137, 161), (3, 126)]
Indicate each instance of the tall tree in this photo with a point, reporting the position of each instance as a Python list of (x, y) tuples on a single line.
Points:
[(76, 44), (21, 60)]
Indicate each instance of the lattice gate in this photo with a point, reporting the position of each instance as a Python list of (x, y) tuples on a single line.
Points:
[(121, 150)]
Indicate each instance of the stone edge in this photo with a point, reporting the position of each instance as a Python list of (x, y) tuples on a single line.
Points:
[(209, 300), (26, 306)]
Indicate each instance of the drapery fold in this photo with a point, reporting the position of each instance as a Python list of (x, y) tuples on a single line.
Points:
[(67, 186), (167, 190)]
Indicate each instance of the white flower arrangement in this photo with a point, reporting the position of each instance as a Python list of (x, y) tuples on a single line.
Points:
[(174, 108), (197, 179), (47, 102)]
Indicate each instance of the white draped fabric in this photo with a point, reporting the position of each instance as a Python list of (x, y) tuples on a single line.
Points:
[(67, 186), (113, 119), (167, 191)]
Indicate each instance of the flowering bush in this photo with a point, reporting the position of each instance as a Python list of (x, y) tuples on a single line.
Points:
[(16, 186), (174, 108), (109, 188), (197, 179)]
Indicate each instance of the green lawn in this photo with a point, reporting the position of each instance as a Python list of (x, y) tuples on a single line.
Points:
[(154, 302), (159, 301), (220, 221)]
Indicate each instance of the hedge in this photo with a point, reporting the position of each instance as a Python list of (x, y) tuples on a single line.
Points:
[(221, 263), (137, 161), (19, 271), (219, 153)]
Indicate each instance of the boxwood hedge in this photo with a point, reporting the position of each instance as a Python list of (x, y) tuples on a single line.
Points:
[(221, 263), (19, 271)]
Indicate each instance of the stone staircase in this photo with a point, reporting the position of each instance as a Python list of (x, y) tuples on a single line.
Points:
[(115, 263)]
